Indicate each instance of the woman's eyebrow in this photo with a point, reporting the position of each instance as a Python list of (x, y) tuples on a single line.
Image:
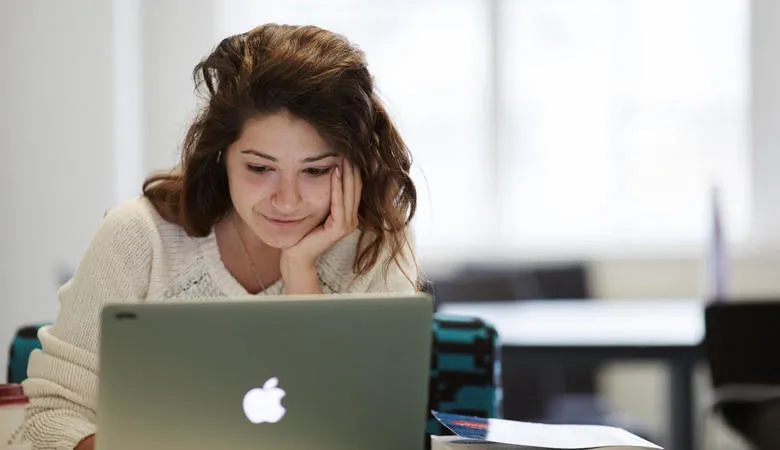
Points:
[(310, 159), (319, 157)]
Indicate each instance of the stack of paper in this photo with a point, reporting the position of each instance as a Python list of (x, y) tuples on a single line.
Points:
[(474, 433)]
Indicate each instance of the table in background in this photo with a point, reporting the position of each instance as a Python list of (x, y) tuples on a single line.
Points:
[(671, 331)]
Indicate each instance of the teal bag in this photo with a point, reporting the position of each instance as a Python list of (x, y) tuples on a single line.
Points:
[(465, 375), (24, 342)]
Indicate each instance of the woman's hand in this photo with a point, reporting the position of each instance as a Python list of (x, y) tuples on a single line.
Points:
[(87, 443), (299, 262)]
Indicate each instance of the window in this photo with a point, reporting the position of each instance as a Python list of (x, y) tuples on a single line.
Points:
[(575, 126), (619, 115)]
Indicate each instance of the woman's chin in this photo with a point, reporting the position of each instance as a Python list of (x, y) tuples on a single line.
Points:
[(284, 237), (284, 241), (282, 244)]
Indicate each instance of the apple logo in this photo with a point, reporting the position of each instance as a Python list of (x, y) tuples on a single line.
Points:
[(265, 404)]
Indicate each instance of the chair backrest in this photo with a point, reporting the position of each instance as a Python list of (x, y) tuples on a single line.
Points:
[(552, 281), (492, 282), (742, 343), (471, 289)]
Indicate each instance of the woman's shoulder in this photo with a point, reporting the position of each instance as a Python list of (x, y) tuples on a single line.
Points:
[(135, 215), (137, 221)]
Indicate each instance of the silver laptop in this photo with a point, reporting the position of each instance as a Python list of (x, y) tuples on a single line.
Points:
[(283, 373)]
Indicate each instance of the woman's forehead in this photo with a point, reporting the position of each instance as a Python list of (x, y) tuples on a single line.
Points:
[(283, 136)]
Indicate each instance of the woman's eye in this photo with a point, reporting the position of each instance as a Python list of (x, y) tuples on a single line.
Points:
[(316, 172), (257, 169)]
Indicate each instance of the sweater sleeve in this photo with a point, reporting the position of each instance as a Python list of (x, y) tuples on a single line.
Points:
[(401, 276), (62, 376)]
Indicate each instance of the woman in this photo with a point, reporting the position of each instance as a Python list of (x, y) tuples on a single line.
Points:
[(292, 180)]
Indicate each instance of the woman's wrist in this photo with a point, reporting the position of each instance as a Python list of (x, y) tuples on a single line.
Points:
[(300, 279)]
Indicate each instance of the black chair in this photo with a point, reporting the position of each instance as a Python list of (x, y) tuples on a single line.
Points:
[(742, 343)]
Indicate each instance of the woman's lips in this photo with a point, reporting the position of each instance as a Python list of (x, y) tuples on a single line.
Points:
[(283, 221)]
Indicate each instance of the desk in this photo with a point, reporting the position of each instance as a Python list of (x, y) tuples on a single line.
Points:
[(671, 331)]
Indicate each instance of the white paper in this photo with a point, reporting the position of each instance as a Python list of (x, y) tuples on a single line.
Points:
[(539, 435), (563, 436)]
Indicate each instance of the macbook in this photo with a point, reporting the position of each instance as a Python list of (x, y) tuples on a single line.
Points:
[(285, 373)]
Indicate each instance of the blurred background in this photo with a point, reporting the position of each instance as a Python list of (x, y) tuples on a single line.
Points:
[(569, 133)]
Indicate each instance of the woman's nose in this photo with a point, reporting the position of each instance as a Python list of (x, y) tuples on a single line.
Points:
[(286, 196)]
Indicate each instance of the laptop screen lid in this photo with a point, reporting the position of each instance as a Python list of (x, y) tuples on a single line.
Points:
[(325, 372)]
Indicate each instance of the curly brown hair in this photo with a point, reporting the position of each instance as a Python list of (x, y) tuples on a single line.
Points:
[(315, 75)]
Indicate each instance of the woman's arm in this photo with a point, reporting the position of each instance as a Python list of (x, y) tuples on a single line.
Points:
[(62, 377)]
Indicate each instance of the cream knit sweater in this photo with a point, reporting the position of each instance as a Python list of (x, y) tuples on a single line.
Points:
[(136, 256)]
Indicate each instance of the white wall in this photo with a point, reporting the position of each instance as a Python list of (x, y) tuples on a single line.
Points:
[(56, 114), (765, 120), (94, 95), (176, 35)]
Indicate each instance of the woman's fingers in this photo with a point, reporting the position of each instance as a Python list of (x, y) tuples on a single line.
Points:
[(337, 197)]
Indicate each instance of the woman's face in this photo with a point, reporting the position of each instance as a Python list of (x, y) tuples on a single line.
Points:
[(279, 177)]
